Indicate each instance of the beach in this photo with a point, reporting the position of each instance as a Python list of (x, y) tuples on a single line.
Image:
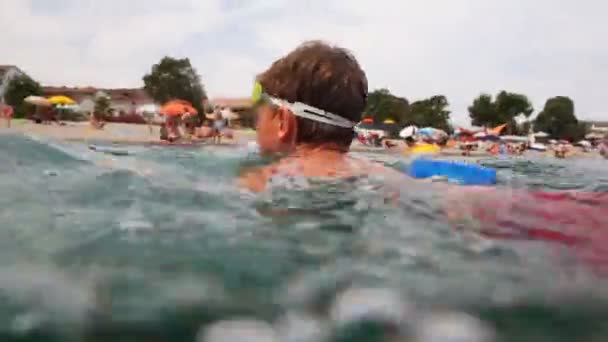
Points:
[(134, 134), (115, 133)]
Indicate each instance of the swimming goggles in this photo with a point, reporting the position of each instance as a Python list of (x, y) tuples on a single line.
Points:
[(300, 109)]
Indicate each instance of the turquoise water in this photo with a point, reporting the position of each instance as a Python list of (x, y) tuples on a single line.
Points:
[(161, 245)]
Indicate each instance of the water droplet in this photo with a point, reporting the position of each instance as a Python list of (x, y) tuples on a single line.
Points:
[(300, 327), (370, 303), (238, 331), (453, 327), (51, 173)]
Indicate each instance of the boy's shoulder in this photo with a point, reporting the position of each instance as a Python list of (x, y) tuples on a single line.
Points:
[(257, 179)]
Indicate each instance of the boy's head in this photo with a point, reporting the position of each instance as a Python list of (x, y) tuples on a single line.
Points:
[(312, 96)]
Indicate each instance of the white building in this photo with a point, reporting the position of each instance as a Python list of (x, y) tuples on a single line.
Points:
[(598, 127)]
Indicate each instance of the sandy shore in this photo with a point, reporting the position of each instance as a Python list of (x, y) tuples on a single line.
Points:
[(118, 133), (112, 133)]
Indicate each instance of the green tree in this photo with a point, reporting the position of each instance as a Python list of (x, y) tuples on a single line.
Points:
[(175, 78), (558, 119), (18, 89), (488, 112), (382, 105), (102, 107), (431, 112), (482, 111)]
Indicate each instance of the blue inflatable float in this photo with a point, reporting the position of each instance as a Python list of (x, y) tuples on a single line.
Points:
[(455, 172)]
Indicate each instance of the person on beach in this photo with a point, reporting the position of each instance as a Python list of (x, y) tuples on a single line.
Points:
[(96, 121), (164, 133), (205, 131), (7, 114), (189, 121), (172, 124), (603, 147), (218, 127)]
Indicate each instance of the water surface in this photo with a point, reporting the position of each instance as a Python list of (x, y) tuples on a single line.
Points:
[(161, 244)]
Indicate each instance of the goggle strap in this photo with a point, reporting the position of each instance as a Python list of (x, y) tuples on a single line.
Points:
[(315, 114)]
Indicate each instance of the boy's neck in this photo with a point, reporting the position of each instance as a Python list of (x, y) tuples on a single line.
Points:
[(322, 149)]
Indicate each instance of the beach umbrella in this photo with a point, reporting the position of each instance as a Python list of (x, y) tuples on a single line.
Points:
[(486, 137), (177, 108), (408, 132), (72, 106), (427, 131), (61, 100), (432, 132), (593, 136), (37, 101), (584, 143), (497, 130), (491, 137), (514, 138)]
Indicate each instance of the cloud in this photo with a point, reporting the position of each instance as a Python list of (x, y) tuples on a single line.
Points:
[(416, 48)]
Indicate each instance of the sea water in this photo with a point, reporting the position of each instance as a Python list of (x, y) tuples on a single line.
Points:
[(160, 244)]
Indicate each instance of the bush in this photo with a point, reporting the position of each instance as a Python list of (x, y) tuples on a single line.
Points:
[(70, 115)]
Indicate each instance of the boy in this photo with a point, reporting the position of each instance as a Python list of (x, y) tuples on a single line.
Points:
[(307, 104)]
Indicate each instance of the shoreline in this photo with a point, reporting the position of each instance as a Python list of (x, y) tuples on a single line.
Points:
[(112, 133), (144, 135)]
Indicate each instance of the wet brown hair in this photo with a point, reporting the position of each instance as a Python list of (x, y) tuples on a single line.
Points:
[(325, 77)]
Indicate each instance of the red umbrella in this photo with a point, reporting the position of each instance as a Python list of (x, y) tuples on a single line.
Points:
[(368, 120)]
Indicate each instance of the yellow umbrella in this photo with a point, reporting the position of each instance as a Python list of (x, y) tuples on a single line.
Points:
[(389, 121), (61, 100)]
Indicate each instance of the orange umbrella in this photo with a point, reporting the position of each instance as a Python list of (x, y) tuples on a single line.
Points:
[(497, 130), (177, 108), (368, 120)]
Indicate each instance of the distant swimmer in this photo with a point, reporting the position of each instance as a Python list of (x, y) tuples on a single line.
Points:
[(604, 147)]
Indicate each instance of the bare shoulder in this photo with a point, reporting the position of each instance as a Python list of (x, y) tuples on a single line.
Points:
[(255, 179)]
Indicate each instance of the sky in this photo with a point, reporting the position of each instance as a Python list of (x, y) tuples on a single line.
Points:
[(415, 48)]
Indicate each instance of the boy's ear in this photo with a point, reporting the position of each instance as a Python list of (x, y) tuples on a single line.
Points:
[(287, 124)]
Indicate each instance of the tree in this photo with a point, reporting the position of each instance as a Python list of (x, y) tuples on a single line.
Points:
[(483, 111), (382, 105), (431, 112), (18, 89), (102, 107), (488, 112), (558, 120), (175, 78)]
